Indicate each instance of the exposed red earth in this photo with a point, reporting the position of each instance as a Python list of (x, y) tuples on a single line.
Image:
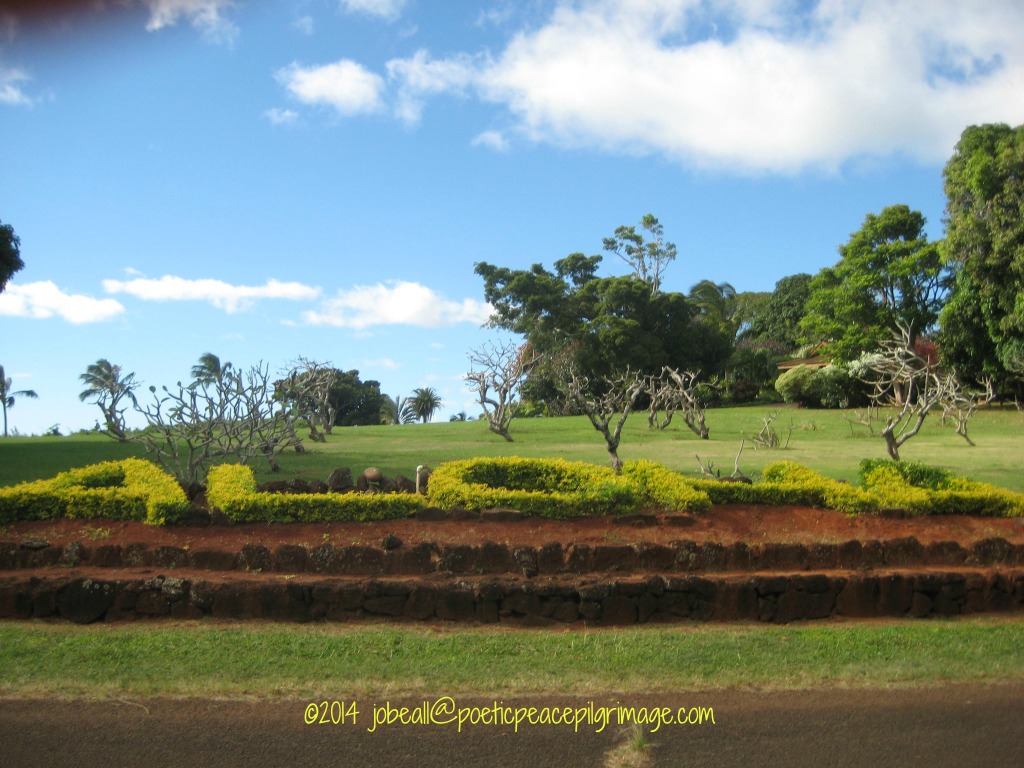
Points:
[(734, 562)]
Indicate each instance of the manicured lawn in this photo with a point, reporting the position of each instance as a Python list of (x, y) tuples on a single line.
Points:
[(210, 659), (822, 440)]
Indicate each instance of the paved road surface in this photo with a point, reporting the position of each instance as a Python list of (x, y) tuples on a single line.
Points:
[(960, 726)]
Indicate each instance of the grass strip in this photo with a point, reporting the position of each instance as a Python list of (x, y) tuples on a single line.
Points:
[(208, 659)]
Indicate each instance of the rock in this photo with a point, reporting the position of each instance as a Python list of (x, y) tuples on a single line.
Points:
[(34, 545), (317, 486), (404, 484), (373, 475), (391, 542), (340, 480), (84, 601)]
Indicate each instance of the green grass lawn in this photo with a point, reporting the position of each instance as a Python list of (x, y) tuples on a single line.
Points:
[(821, 439), (231, 660)]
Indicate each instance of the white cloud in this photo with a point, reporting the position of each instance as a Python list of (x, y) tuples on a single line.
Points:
[(11, 91), (421, 76), (344, 85), (396, 303), (747, 85), (204, 15), (492, 140), (385, 9), (230, 298), (766, 85), (44, 299), (281, 116)]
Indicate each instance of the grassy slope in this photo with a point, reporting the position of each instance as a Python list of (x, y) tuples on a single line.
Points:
[(823, 440), (209, 659)]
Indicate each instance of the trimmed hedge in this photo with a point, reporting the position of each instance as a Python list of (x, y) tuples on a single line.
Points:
[(231, 488), (924, 490), (556, 488), (132, 489), (660, 486)]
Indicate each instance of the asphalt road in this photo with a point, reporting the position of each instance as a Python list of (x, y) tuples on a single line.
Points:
[(960, 726)]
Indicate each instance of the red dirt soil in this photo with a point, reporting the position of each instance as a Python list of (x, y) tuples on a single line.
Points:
[(725, 524)]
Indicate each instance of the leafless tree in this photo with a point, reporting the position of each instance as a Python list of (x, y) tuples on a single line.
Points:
[(912, 386), (673, 392), (960, 406), (233, 416), (607, 404), (496, 375), (306, 387)]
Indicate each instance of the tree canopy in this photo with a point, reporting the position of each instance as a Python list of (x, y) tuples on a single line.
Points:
[(888, 275), (10, 254), (983, 321)]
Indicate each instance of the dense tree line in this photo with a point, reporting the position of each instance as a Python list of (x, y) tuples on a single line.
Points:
[(962, 296)]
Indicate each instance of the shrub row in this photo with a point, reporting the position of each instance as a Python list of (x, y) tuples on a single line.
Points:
[(923, 490), (557, 488), (231, 488), (132, 489)]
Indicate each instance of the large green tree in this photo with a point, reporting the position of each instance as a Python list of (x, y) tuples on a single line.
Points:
[(600, 326), (983, 321), (778, 318), (888, 276), (10, 254)]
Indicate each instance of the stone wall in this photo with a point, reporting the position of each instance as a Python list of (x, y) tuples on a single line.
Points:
[(518, 600)]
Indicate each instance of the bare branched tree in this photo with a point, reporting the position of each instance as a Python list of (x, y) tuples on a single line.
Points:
[(496, 375), (960, 406), (913, 387), (673, 392), (306, 388), (230, 416), (610, 400)]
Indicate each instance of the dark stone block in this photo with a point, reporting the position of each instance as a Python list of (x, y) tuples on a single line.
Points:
[(654, 557), (457, 558), (360, 560), (494, 558), (550, 558), (607, 557), (84, 601), (618, 610), (905, 551), (992, 551), (456, 605), (254, 557), (431, 514), (858, 597), (290, 558)]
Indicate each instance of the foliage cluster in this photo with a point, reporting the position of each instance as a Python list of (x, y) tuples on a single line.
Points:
[(830, 387), (231, 488), (924, 490), (553, 488), (132, 489)]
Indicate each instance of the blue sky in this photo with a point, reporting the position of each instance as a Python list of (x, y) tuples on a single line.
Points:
[(273, 179)]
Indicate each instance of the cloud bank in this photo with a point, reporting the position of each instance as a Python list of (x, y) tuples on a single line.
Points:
[(44, 299), (769, 86), (396, 303), (230, 298)]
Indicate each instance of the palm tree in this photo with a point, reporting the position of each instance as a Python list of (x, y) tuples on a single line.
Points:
[(425, 401), (209, 369), (7, 395), (718, 303), (104, 383), (397, 410)]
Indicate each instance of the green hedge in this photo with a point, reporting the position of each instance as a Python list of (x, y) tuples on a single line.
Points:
[(924, 490), (132, 489), (560, 489), (660, 486), (231, 488)]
